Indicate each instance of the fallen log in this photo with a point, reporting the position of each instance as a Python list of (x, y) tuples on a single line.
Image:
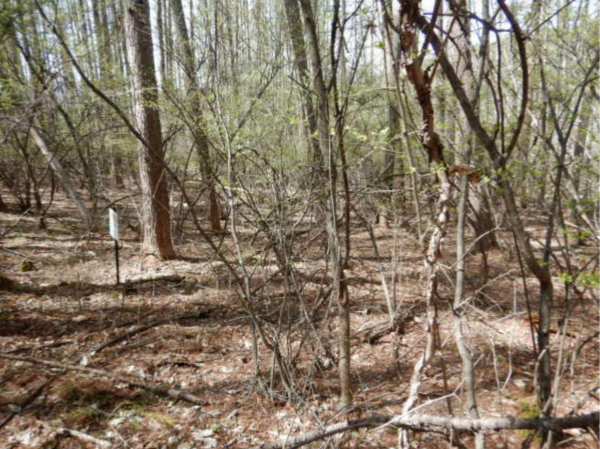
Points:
[(438, 423)]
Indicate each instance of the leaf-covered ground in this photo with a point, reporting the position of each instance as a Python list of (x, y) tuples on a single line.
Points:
[(59, 303)]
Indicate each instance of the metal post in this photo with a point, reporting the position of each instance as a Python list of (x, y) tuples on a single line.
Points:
[(117, 260)]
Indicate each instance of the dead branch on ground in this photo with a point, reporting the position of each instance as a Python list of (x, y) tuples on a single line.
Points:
[(91, 372), (438, 424)]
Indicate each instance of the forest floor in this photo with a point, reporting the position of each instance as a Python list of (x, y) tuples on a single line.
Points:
[(59, 301)]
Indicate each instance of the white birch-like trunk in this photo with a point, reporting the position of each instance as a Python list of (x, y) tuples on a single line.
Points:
[(60, 173)]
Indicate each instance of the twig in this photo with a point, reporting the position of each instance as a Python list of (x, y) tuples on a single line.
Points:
[(28, 400), (86, 438), (138, 383), (54, 344), (145, 327), (10, 228)]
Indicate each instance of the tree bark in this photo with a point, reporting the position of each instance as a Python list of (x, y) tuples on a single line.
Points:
[(294, 22), (60, 172), (394, 185), (3, 205), (156, 216), (431, 142), (198, 126), (499, 159), (464, 66), (437, 423), (328, 173)]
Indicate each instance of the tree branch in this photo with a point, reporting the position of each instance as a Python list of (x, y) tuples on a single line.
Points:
[(87, 80), (438, 423), (90, 372)]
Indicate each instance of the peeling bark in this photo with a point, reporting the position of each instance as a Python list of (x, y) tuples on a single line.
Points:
[(430, 140)]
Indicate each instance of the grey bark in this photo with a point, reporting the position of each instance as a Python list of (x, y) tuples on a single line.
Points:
[(431, 142), (294, 22), (60, 172), (328, 174), (464, 66), (438, 424), (540, 271), (198, 125)]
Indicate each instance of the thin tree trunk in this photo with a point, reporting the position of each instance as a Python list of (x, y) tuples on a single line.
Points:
[(3, 205), (394, 57), (391, 158), (540, 271), (198, 126), (468, 367), (60, 172), (328, 174), (294, 22), (161, 43), (461, 31), (430, 140)]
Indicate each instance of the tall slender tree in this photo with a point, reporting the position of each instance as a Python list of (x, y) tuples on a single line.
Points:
[(328, 175), (196, 120), (156, 216)]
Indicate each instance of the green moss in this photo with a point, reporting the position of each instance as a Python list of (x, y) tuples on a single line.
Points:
[(84, 413), (529, 409), (25, 266)]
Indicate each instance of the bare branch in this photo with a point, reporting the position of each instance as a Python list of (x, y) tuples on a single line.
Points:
[(438, 423)]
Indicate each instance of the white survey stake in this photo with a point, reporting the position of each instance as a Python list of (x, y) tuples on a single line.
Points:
[(113, 224)]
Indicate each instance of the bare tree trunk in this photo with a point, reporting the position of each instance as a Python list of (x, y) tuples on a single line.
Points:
[(294, 21), (430, 140), (391, 158), (197, 125), (328, 174), (583, 132), (461, 31), (499, 159), (86, 37), (156, 216), (117, 170), (403, 134), (161, 43), (60, 172), (3, 205)]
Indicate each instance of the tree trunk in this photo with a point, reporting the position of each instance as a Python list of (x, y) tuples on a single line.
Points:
[(161, 43), (60, 172), (197, 125), (156, 216), (117, 170), (294, 21), (540, 271), (464, 66), (328, 174), (391, 159), (430, 140)]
